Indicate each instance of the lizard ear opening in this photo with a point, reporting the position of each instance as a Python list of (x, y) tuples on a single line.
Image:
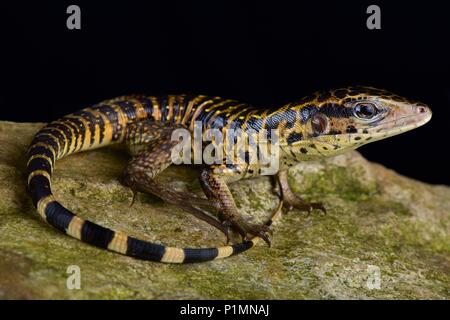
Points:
[(319, 123)]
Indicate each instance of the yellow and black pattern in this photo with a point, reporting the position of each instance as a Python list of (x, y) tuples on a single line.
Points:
[(317, 126), (101, 125)]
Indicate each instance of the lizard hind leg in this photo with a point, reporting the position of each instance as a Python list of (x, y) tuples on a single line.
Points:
[(153, 158), (188, 202)]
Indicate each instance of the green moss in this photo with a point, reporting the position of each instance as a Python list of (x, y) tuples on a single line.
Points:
[(344, 181)]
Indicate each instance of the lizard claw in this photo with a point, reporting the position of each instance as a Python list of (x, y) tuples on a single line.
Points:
[(304, 206), (318, 206), (248, 232), (133, 198), (277, 191), (264, 234), (226, 226)]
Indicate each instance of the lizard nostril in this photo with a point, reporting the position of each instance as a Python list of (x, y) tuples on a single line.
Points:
[(422, 109)]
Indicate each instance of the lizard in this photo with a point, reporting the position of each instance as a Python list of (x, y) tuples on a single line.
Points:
[(323, 124)]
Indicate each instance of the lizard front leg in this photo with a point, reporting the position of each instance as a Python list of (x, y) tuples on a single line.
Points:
[(292, 200), (214, 182)]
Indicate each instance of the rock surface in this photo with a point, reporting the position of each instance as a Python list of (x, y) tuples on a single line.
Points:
[(378, 224)]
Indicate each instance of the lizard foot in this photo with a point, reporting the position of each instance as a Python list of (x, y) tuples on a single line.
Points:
[(290, 199), (248, 231), (298, 203)]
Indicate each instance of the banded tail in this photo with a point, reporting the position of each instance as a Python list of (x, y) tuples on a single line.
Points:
[(91, 128)]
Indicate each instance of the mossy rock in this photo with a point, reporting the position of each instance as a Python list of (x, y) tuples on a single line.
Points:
[(378, 223)]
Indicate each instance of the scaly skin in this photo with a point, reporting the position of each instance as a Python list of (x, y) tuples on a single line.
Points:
[(322, 125)]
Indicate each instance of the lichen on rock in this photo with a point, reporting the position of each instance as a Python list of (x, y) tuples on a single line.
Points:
[(384, 236)]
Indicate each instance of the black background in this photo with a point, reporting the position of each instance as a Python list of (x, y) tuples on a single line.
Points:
[(265, 53)]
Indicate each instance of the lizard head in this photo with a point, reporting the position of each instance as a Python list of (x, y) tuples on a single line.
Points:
[(331, 122)]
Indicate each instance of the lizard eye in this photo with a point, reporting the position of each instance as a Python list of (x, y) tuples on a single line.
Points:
[(319, 123), (365, 110)]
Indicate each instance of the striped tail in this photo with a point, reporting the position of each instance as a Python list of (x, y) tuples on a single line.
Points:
[(91, 128)]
